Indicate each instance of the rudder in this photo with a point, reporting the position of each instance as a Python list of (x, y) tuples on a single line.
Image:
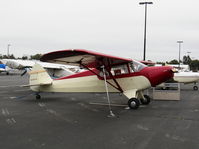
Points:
[(39, 76)]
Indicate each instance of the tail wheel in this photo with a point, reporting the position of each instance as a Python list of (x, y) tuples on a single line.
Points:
[(195, 88), (146, 100), (38, 97), (133, 103)]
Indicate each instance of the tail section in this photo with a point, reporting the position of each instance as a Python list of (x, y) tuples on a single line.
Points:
[(39, 76)]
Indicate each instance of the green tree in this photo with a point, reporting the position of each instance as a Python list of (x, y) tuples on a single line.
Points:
[(24, 57), (36, 56), (194, 65), (11, 56), (186, 60), (173, 62), (5, 57)]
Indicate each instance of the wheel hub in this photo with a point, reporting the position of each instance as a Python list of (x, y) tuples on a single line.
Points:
[(133, 104)]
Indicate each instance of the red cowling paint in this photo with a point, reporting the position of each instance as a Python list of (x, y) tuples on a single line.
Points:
[(158, 74)]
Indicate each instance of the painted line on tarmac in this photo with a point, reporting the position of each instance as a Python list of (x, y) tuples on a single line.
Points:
[(6, 86), (55, 113), (13, 97), (11, 121), (59, 116), (5, 112), (41, 104), (87, 107), (21, 90)]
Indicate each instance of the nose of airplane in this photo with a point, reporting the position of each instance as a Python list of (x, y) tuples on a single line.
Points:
[(158, 74)]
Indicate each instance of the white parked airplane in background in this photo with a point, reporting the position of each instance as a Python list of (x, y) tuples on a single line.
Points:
[(4, 68), (55, 70), (187, 77), (184, 75)]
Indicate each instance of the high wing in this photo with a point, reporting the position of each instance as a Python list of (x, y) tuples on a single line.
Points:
[(80, 57)]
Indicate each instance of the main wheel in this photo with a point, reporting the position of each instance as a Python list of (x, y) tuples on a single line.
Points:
[(38, 97), (195, 88), (146, 100), (133, 103)]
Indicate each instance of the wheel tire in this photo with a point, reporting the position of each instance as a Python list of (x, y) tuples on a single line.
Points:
[(145, 101), (133, 103), (195, 88), (38, 97)]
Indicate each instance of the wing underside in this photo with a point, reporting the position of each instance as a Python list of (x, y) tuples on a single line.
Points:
[(87, 59), (78, 57)]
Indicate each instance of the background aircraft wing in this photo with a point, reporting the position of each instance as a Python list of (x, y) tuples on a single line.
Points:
[(18, 64), (21, 64), (55, 70), (79, 57)]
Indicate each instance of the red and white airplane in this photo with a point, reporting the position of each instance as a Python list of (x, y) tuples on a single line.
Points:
[(105, 73)]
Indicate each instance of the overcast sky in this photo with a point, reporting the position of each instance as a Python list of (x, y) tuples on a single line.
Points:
[(110, 26)]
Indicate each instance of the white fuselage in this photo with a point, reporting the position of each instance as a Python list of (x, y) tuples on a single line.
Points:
[(94, 84), (186, 77)]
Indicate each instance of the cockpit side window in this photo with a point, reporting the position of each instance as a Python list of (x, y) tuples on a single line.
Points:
[(126, 68), (137, 66), (120, 69)]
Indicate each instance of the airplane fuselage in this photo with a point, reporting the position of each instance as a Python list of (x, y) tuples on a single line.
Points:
[(186, 77), (92, 83), (88, 81)]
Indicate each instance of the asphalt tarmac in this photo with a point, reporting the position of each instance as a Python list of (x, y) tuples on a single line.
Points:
[(70, 121)]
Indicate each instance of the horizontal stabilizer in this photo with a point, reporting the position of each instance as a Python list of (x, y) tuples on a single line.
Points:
[(41, 84)]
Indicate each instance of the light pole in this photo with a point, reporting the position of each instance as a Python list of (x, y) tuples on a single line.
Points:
[(145, 4), (179, 42), (8, 50)]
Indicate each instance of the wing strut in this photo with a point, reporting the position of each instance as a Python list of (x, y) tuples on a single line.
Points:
[(118, 86)]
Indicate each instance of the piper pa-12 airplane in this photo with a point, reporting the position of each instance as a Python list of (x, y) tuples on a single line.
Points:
[(104, 73)]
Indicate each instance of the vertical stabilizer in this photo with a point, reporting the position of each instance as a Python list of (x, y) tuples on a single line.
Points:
[(39, 76)]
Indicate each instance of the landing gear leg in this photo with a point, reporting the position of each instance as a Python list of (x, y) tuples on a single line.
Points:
[(144, 99)]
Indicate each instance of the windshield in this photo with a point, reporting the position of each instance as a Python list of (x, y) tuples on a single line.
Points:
[(137, 66)]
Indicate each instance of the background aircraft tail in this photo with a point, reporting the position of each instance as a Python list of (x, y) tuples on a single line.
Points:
[(39, 76)]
